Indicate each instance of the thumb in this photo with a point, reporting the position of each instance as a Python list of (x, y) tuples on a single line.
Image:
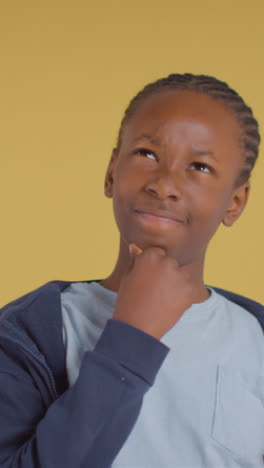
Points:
[(134, 250)]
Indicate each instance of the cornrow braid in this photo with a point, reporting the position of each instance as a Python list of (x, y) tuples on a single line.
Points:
[(218, 90)]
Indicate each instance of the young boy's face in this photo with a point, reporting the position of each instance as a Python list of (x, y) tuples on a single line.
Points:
[(173, 180)]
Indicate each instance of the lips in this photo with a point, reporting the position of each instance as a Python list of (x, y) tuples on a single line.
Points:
[(159, 214)]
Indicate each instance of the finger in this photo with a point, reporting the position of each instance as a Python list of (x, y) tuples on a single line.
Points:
[(158, 250), (134, 249)]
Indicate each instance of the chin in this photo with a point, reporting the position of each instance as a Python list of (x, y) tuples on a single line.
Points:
[(147, 243)]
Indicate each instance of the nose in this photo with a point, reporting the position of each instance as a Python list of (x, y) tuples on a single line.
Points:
[(164, 185)]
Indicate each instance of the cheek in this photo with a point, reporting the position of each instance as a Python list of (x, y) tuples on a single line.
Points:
[(121, 192), (207, 214), (126, 184)]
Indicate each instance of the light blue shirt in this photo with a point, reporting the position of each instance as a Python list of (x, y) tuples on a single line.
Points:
[(205, 409)]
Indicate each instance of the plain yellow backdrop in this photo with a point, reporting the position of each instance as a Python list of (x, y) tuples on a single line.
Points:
[(68, 70)]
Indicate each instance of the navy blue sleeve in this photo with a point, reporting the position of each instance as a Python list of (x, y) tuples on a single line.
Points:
[(88, 424)]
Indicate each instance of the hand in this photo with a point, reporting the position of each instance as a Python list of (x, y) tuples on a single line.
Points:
[(154, 293)]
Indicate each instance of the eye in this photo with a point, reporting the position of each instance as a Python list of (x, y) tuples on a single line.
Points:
[(202, 167), (145, 152)]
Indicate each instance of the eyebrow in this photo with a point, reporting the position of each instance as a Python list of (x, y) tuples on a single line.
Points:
[(144, 136), (204, 152), (157, 141)]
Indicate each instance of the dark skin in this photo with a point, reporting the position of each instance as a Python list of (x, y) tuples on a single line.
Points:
[(173, 182)]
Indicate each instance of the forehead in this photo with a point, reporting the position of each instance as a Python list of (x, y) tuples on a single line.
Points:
[(189, 114)]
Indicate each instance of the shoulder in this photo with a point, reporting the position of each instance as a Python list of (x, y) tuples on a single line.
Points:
[(32, 326), (247, 306), (29, 307)]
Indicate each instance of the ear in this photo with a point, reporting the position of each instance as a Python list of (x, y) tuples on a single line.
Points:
[(237, 204), (109, 177)]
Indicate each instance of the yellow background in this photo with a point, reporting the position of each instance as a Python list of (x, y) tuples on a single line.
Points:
[(68, 70)]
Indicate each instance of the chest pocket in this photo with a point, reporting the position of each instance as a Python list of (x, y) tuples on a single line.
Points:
[(238, 422)]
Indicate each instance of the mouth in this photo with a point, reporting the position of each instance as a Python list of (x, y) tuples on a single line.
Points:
[(159, 217)]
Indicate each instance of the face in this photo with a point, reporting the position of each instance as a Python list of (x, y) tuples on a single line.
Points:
[(173, 180)]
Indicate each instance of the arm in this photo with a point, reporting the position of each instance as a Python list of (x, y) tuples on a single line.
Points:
[(88, 424)]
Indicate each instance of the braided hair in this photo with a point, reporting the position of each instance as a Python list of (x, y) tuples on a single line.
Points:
[(218, 90)]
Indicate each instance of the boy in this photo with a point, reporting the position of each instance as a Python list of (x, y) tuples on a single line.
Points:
[(77, 358)]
